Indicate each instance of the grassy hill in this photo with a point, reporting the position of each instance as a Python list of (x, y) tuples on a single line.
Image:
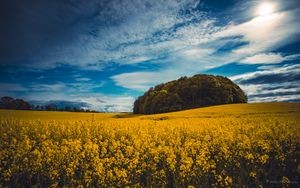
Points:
[(235, 110), (238, 145), (229, 110)]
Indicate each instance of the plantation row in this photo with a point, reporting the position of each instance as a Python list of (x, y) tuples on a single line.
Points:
[(223, 152)]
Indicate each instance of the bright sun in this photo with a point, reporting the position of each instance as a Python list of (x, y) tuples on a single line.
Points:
[(265, 9)]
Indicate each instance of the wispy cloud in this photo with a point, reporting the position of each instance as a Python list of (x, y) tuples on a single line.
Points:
[(280, 98), (288, 73), (277, 84), (82, 79), (269, 58)]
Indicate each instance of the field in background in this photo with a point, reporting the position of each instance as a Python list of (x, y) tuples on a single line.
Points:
[(228, 145)]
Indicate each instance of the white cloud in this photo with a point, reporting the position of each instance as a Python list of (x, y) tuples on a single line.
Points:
[(292, 57), (139, 80), (108, 103), (137, 60), (268, 58), (277, 84), (276, 98), (82, 79), (259, 89), (198, 53), (263, 33), (267, 67), (285, 70)]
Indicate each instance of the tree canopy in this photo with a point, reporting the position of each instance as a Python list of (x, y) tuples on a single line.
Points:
[(189, 92)]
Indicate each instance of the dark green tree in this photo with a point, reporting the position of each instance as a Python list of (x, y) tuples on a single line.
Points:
[(186, 93)]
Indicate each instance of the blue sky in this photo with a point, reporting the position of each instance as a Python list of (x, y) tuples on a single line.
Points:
[(108, 52)]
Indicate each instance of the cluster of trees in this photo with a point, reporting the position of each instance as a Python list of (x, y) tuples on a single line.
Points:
[(14, 104), (186, 93), (20, 104)]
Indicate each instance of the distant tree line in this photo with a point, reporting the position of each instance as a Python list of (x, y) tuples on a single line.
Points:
[(14, 104), (186, 93), (20, 104)]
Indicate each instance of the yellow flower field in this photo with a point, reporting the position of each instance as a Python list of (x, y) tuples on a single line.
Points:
[(236, 145)]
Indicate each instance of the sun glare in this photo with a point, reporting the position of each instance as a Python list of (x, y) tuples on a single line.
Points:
[(265, 9)]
